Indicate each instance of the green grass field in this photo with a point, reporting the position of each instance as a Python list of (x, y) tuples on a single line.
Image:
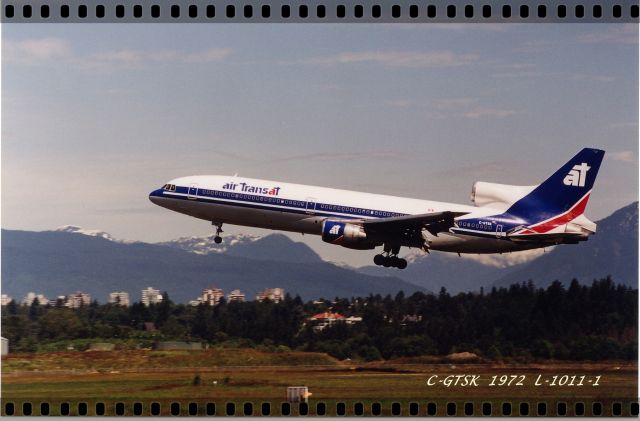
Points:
[(248, 375)]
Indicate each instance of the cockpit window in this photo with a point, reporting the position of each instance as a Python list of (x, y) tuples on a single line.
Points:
[(165, 187), (173, 187)]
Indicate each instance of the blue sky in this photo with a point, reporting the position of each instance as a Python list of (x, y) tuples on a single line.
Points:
[(96, 116)]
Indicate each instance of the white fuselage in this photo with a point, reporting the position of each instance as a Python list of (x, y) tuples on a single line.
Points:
[(300, 208)]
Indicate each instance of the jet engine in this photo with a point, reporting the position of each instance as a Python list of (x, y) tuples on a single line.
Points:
[(347, 235)]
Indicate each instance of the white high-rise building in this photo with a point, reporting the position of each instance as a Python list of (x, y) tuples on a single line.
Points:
[(78, 299), (151, 296), (235, 295), (272, 294), (120, 298), (212, 296), (31, 296), (60, 300)]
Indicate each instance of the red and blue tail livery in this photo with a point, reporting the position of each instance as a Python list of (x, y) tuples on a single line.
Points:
[(564, 194), (502, 217)]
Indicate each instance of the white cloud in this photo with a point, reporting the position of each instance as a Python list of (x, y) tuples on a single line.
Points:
[(344, 156), (208, 56), (35, 51), (622, 156), (535, 46), (468, 107), (479, 112), (624, 125), (594, 78), (488, 27), (399, 58), (525, 75), (399, 103), (617, 34), (56, 50), (454, 103), (134, 58)]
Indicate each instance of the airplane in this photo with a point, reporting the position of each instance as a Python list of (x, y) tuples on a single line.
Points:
[(504, 218)]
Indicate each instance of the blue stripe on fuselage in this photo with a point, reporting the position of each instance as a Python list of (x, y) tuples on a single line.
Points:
[(279, 204), (268, 203)]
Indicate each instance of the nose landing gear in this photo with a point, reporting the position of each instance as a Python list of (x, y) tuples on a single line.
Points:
[(389, 258), (217, 239)]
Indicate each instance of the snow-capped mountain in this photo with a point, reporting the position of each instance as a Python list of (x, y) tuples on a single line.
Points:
[(79, 230), (274, 247), (59, 262), (500, 261), (206, 245)]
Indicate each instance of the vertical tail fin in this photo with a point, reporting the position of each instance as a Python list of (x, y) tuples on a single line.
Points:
[(566, 190)]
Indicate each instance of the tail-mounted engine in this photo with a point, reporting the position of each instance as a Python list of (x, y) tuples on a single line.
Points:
[(346, 235), (497, 195)]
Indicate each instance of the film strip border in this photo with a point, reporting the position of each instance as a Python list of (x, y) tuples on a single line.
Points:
[(338, 408), (330, 11)]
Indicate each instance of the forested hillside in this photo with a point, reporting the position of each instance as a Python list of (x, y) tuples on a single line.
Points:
[(580, 322)]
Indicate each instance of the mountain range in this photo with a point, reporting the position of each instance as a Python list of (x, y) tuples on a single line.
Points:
[(71, 258), (61, 262)]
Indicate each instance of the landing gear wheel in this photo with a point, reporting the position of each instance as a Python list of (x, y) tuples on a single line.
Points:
[(389, 257), (217, 239)]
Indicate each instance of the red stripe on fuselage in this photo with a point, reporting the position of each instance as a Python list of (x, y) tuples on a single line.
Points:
[(573, 213)]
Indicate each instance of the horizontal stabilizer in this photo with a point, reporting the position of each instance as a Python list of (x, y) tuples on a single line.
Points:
[(557, 238)]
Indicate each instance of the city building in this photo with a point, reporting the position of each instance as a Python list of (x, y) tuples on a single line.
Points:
[(352, 320), (151, 296), (272, 294), (196, 302), (212, 296), (31, 296), (120, 298), (60, 301), (235, 295), (78, 299), (5, 299)]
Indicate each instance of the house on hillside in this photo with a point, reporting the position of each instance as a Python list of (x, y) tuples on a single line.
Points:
[(322, 320), (410, 318)]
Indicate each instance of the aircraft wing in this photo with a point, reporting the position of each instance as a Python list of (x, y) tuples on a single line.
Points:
[(433, 222)]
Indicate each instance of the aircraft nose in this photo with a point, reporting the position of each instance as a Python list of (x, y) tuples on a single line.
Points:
[(155, 196)]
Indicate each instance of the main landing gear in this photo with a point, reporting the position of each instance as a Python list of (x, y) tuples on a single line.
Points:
[(217, 239), (389, 258)]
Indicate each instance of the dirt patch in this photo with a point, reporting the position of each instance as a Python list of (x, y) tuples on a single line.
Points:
[(163, 386)]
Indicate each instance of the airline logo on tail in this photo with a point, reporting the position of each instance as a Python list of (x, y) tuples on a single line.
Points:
[(577, 176)]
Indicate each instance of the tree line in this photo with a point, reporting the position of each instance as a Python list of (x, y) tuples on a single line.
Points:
[(578, 322)]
